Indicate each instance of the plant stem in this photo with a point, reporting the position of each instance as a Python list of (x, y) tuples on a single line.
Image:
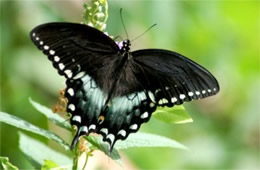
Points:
[(86, 161), (76, 158), (88, 154)]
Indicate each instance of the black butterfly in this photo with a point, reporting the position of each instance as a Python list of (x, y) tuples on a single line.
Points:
[(111, 90)]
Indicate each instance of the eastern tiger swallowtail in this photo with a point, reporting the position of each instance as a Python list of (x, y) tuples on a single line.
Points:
[(112, 90)]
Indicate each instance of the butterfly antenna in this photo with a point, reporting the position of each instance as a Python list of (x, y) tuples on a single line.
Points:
[(144, 32), (118, 37), (121, 17)]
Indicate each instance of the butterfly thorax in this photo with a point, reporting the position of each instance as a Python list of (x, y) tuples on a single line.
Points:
[(120, 80), (116, 76)]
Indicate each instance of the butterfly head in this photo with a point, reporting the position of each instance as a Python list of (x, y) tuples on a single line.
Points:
[(126, 46)]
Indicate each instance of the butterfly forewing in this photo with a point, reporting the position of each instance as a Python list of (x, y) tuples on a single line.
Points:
[(74, 48)]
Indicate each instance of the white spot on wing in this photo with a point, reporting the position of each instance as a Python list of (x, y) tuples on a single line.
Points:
[(71, 92), (144, 115), (111, 137), (174, 99), (79, 75), (122, 133), (203, 91), (56, 58), (61, 66), (134, 127), (92, 127), (76, 118), (209, 90), (215, 89), (52, 52), (151, 96), (190, 93), (83, 129), (72, 107), (33, 34), (41, 42), (104, 130), (152, 104), (37, 38), (68, 73), (163, 101), (182, 96), (197, 93), (46, 47), (156, 91)]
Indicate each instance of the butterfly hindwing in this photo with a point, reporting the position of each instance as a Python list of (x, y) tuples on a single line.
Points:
[(125, 116)]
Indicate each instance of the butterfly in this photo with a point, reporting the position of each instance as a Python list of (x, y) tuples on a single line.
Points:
[(111, 90)]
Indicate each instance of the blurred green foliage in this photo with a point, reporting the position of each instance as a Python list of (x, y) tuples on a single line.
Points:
[(223, 36)]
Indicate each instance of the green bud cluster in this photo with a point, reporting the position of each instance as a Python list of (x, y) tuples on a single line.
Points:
[(96, 14)]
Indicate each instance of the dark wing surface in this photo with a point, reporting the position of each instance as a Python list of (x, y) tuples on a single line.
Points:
[(74, 48), (172, 78)]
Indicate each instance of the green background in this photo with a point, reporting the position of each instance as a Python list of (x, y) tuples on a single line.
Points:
[(221, 35)]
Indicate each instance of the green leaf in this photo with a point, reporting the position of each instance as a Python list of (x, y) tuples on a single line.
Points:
[(176, 114), (22, 124), (148, 140), (49, 164), (97, 143), (6, 165), (55, 118), (39, 152)]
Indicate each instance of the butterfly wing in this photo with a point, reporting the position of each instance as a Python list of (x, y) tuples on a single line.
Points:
[(172, 78)]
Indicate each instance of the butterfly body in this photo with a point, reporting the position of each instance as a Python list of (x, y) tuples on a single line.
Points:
[(111, 90)]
